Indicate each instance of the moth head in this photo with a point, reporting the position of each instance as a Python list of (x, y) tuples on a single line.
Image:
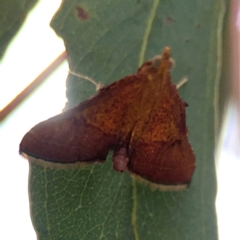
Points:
[(156, 62)]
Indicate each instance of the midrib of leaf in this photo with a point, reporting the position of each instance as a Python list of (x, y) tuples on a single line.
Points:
[(147, 32), (140, 62)]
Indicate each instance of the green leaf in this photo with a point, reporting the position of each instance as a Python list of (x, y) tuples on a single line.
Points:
[(108, 41), (12, 16)]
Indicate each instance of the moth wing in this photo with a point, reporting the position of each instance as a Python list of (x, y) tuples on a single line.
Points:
[(83, 133), (159, 150)]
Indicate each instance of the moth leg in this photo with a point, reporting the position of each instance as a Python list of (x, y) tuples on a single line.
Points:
[(120, 159), (97, 85), (181, 82)]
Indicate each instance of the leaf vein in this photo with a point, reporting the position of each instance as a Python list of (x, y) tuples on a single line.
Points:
[(148, 31)]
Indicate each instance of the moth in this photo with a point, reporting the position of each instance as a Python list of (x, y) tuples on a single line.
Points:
[(141, 118)]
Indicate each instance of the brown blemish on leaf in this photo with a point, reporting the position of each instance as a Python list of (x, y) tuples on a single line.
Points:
[(169, 20), (199, 25), (81, 13)]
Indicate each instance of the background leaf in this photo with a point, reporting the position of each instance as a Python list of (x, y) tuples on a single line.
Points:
[(12, 16), (107, 40)]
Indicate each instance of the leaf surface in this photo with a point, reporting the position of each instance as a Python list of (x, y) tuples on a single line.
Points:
[(107, 40)]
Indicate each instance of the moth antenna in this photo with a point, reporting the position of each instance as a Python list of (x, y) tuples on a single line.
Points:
[(182, 82), (97, 85)]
